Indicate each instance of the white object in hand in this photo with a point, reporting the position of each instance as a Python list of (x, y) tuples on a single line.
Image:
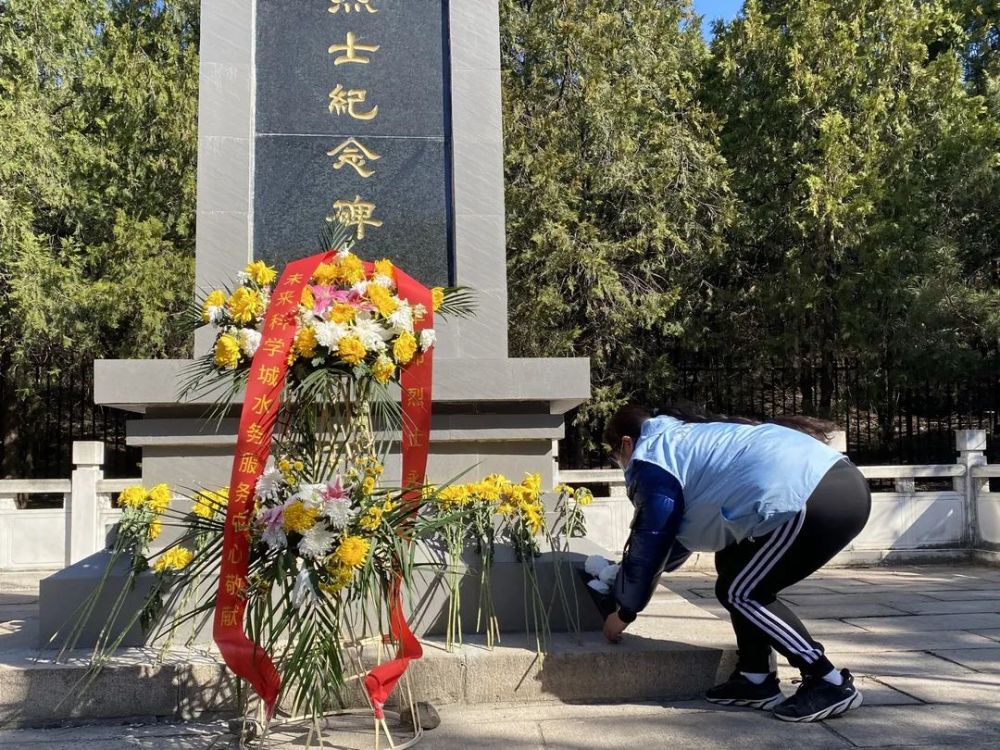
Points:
[(609, 574), (599, 586), (595, 564)]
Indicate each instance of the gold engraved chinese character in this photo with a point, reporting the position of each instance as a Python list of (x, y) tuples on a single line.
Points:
[(235, 585), (269, 375), (295, 278), (249, 464), (242, 493), (350, 48), (230, 616), (343, 100), (358, 5), (356, 213), (415, 397), (285, 298), (262, 405), (255, 434), (272, 346), (351, 153)]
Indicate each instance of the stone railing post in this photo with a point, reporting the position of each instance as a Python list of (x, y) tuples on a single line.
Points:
[(83, 532), (971, 447)]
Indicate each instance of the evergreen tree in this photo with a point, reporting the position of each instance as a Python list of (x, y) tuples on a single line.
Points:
[(98, 104), (616, 193)]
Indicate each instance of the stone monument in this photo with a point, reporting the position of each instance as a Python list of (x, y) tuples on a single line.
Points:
[(384, 115)]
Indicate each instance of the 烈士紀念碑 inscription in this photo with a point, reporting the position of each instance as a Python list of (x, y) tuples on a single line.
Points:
[(352, 125)]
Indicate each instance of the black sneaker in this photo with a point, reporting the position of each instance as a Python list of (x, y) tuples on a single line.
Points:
[(739, 691), (816, 699)]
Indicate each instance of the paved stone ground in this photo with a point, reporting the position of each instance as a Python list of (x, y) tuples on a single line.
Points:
[(923, 643)]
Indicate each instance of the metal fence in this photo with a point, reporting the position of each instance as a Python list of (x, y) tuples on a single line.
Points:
[(886, 423), (38, 430)]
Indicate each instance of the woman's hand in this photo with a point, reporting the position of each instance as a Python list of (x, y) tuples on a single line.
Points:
[(614, 626)]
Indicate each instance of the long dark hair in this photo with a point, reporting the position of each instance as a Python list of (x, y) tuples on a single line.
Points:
[(627, 422)]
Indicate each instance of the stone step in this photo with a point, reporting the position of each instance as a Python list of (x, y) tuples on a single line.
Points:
[(675, 650)]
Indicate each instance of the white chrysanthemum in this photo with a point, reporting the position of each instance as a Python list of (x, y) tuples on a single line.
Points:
[(329, 334), (402, 318), (599, 586), (303, 592), (270, 483), (419, 311), (215, 313), (249, 339), (371, 333), (274, 537), (383, 280), (361, 287), (310, 495), (243, 277), (338, 512), (609, 574), (595, 564), (427, 338), (317, 542)]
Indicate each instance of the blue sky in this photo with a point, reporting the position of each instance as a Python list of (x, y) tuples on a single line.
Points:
[(712, 9)]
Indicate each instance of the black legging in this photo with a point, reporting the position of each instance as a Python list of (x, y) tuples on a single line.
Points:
[(752, 572)]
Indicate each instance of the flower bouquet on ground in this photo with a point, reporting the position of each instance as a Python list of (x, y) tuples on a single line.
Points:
[(496, 510)]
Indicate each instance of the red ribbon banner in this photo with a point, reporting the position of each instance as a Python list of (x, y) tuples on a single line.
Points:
[(415, 382), (266, 380)]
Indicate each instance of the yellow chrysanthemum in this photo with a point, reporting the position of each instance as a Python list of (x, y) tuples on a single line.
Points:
[(388, 506), (261, 273), (383, 369), (132, 497), (352, 552), (351, 350), (245, 305), (371, 519), (207, 503), (308, 299), (384, 267), (305, 341), (214, 299), (227, 352), (456, 495), (298, 518), (154, 529), (533, 482), (340, 577), (159, 498), (583, 497), (368, 486), (341, 312), (404, 348), (534, 518), (350, 269), (437, 296), (326, 274), (382, 299), (175, 558)]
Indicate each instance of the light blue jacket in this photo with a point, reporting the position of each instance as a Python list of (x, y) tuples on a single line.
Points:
[(738, 480), (705, 486)]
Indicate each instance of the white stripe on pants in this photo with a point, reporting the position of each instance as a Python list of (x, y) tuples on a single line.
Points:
[(759, 566)]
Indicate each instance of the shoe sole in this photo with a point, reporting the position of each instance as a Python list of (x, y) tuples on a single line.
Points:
[(764, 704), (850, 702)]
